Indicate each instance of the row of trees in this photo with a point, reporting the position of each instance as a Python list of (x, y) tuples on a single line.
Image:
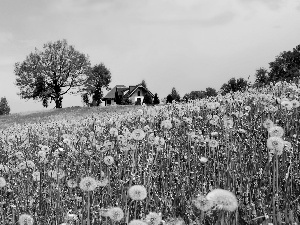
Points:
[(285, 67), (59, 69)]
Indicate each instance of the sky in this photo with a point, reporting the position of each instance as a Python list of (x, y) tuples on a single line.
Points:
[(186, 44)]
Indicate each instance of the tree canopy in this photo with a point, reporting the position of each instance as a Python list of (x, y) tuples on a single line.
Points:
[(4, 107), (156, 100), (200, 94), (234, 85), (285, 67), (97, 79), (49, 74), (175, 95), (144, 83)]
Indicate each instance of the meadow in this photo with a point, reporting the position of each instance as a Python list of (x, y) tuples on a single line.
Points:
[(230, 159)]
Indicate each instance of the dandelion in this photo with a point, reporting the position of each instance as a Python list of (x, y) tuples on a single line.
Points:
[(108, 160), (223, 199), (203, 159), (30, 164), (2, 182), (202, 203), (286, 105), (276, 131), (22, 166), (166, 124), (45, 149), (108, 145), (71, 183), (102, 182), (19, 155), (115, 214), (113, 131), (287, 146), (268, 124), (88, 184), (213, 143), (295, 103), (175, 221), (71, 218), (276, 145), (67, 141), (228, 123), (137, 192), (151, 139), (25, 219), (138, 134), (36, 176), (42, 154), (137, 222), (153, 218)]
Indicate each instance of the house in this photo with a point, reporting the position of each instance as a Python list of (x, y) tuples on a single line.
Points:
[(134, 93)]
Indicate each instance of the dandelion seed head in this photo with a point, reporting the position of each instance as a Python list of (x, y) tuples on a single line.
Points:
[(25, 219), (115, 214), (88, 184), (137, 192), (223, 199), (153, 218), (2, 182)]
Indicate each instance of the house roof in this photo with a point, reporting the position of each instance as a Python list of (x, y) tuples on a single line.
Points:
[(111, 94), (132, 89), (127, 91)]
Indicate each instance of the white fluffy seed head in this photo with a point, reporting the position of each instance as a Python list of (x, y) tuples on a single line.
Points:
[(2, 182), (115, 214), (25, 219), (223, 199), (137, 222), (153, 218), (137, 192), (88, 184)]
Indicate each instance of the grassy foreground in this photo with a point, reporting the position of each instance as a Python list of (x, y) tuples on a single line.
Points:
[(226, 160)]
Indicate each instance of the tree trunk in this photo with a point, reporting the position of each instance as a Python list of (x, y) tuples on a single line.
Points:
[(58, 102)]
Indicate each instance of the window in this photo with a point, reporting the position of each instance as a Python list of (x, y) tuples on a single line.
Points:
[(139, 93)]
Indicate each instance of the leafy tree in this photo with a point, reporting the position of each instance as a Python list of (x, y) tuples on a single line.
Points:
[(261, 77), (194, 95), (286, 66), (97, 79), (4, 107), (200, 94), (234, 85), (175, 95), (144, 83), (156, 99), (51, 73), (210, 92), (169, 98), (148, 100)]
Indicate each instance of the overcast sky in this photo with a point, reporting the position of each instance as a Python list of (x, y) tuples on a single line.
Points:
[(186, 44)]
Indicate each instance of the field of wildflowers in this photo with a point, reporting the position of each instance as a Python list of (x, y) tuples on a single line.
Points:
[(230, 159)]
